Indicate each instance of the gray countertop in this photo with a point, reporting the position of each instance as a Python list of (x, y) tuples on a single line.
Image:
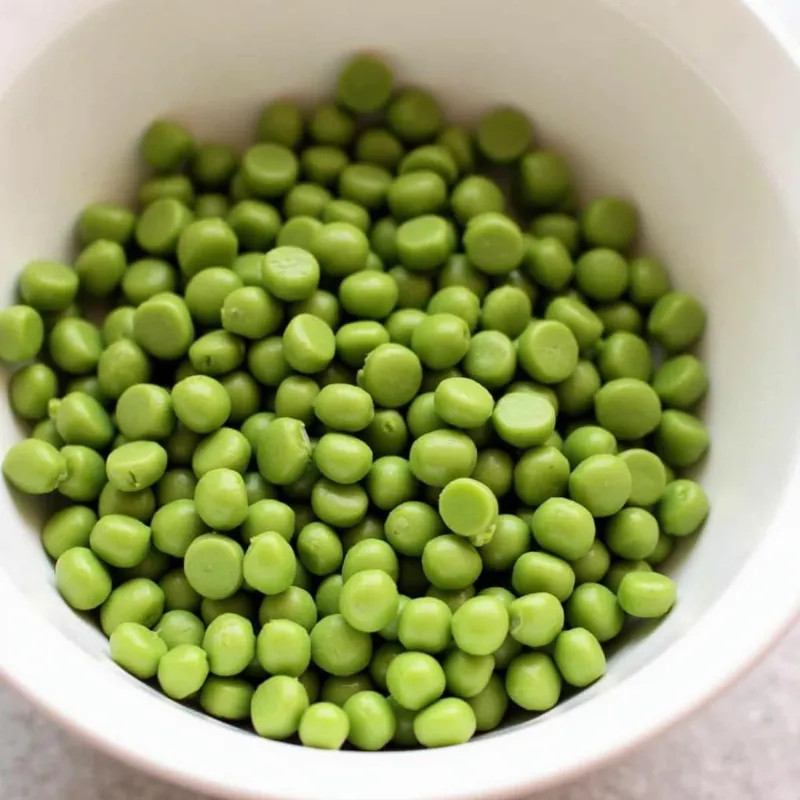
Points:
[(745, 746)]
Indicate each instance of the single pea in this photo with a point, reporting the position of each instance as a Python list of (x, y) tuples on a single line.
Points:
[(320, 303), (564, 527), (100, 267), (165, 145), (451, 562), (585, 325), (649, 281), (542, 572), (369, 600), (284, 451), (536, 619), (266, 361), (162, 326), (562, 226), (137, 649), (213, 165), (258, 488), (75, 345), (182, 671), (510, 540), (545, 178), (178, 187), (344, 407), (306, 200), (588, 440), (364, 85), (620, 316), (145, 411), (331, 125), (415, 680), (541, 473), (414, 115), (347, 212), (628, 407), (423, 624), (506, 309), (31, 389), (21, 333), (662, 551), (328, 593), (69, 527), (610, 222), (319, 549), (548, 262), (463, 402), (494, 243), (230, 644), (340, 506), (180, 627), (290, 273), (82, 579), (681, 381), (136, 465), (595, 608), (284, 648), (119, 540), (340, 249), (548, 351), (424, 242), (533, 682), (489, 706), (579, 657), (213, 565), (602, 484), (221, 499), (48, 285), (446, 722), (368, 294), (469, 509), (137, 600), (459, 301), (602, 274), (681, 439), (438, 457), (256, 224), (147, 278), (503, 135), (269, 514), (491, 359), (392, 375), (293, 604), (105, 221), (418, 194), (80, 419), (458, 142), (226, 448), (523, 419), (280, 122), (322, 164), (372, 722), (380, 147), (308, 344), (226, 698), (269, 563), (34, 466), (160, 225), (646, 594), (247, 267), (632, 533), (441, 340), (201, 403), (139, 505), (370, 554), (390, 482), (324, 726), (676, 321), (421, 415), (277, 707), (683, 508), (338, 648)]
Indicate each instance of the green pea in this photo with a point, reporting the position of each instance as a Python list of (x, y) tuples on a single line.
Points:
[(137, 600), (594, 608), (533, 682), (137, 649), (579, 657), (592, 567), (213, 566), (324, 726), (649, 281), (226, 698), (269, 564), (446, 722), (683, 508), (369, 600), (392, 374), (284, 451), (380, 147), (105, 221), (503, 135), (646, 594), (542, 572), (489, 706), (182, 671), (82, 579), (610, 222), (541, 473), (628, 407), (681, 439)]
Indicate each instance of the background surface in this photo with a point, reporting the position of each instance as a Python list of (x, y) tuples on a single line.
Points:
[(745, 746)]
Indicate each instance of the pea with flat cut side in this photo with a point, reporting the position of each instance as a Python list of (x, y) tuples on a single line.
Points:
[(681, 439), (469, 509), (548, 261), (523, 419), (683, 508), (414, 115), (676, 321), (610, 222), (646, 594), (545, 178), (681, 381), (463, 403), (491, 359), (494, 243), (503, 135), (213, 566), (548, 351)]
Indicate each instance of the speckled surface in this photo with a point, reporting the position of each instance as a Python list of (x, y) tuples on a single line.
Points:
[(745, 746)]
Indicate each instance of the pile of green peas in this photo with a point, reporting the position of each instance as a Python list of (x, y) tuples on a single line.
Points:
[(349, 453)]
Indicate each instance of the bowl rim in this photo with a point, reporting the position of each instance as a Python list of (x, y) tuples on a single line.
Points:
[(88, 696)]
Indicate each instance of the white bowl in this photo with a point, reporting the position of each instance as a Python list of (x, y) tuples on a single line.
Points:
[(689, 108)]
